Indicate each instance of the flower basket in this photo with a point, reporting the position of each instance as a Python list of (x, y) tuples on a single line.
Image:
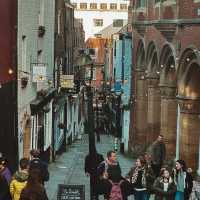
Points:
[(41, 31), (24, 82), (61, 126)]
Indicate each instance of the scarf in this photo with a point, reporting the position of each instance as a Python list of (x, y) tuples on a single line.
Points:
[(135, 174)]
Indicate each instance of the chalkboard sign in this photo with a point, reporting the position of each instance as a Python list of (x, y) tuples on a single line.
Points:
[(71, 192)]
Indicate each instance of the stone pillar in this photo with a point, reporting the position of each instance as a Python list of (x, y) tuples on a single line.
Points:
[(154, 108), (141, 108), (169, 119), (140, 112), (190, 132)]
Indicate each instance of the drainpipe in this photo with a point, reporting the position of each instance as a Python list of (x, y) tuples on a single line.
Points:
[(178, 134)]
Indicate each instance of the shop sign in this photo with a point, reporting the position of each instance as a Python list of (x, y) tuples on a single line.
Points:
[(67, 81), (39, 72)]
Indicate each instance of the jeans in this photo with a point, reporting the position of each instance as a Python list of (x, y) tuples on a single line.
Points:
[(179, 195), (141, 195)]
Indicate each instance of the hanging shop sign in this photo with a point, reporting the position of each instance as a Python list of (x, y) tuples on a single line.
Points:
[(67, 81), (39, 72)]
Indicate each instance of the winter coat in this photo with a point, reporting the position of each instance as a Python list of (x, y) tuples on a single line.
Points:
[(195, 195), (34, 193), (188, 184), (42, 166), (17, 184), (158, 152), (112, 171), (158, 188), (4, 189), (7, 174), (148, 177), (91, 167)]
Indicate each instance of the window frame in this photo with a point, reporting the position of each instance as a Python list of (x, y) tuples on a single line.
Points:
[(83, 6), (113, 4), (91, 6), (102, 6), (99, 21)]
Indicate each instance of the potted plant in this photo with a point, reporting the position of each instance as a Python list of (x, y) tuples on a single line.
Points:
[(41, 31), (61, 125), (24, 82)]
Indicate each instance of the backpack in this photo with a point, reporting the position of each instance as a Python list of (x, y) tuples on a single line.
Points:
[(116, 193)]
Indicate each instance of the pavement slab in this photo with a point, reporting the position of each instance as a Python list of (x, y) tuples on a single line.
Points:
[(69, 167)]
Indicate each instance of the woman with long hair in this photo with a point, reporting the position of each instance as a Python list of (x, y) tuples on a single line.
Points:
[(183, 181), (34, 189), (164, 186), (137, 177)]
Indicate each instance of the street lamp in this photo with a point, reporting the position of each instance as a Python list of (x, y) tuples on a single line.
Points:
[(83, 63)]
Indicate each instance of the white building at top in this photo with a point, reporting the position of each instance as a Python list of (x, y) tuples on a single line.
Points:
[(95, 15)]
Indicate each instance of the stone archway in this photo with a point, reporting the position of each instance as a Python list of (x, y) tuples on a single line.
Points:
[(168, 100), (153, 92), (27, 139), (189, 101), (140, 100)]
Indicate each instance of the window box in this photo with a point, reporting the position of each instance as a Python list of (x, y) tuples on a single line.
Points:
[(24, 82), (41, 31), (61, 125)]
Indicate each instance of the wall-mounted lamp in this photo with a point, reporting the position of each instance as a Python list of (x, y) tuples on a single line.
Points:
[(158, 72), (187, 59), (142, 77), (10, 71), (161, 66), (172, 66)]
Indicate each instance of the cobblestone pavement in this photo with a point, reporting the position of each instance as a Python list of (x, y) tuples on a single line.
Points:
[(69, 167)]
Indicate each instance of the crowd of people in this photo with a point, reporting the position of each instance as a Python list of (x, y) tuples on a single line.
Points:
[(28, 182), (149, 178)]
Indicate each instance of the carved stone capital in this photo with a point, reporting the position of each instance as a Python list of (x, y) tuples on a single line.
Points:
[(168, 92), (152, 82), (190, 106)]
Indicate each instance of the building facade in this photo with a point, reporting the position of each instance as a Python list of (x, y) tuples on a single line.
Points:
[(8, 76), (35, 75), (166, 70), (96, 15)]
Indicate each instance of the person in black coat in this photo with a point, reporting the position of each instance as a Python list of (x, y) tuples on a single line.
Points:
[(36, 162), (4, 189), (91, 163)]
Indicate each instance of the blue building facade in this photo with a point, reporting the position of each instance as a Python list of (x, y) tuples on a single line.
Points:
[(122, 65)]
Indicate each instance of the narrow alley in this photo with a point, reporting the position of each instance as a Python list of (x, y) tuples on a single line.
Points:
[(69, 167)]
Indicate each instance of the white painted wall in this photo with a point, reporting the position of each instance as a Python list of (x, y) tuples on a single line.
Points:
[(28, 46), (107, 16)]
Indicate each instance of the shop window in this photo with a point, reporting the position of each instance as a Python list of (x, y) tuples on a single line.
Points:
[(83, 6), (113, 6)]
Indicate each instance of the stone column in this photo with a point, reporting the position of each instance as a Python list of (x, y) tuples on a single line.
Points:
[(140, 112), (153, 112), (169, 119), (190, 131)]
